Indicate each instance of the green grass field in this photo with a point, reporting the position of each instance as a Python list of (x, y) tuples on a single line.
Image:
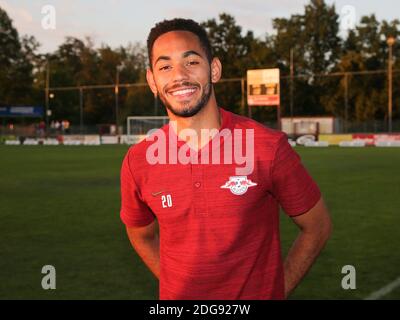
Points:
[(60, 206)]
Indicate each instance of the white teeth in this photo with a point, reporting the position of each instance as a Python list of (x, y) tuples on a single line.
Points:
[(182, 92)]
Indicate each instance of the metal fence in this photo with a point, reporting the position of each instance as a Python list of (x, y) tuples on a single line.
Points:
[(229, 92)]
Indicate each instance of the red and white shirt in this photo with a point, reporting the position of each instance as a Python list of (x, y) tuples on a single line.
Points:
[(215, 244)]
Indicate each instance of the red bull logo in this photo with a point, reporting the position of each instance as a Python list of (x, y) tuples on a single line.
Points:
[(238, 185)]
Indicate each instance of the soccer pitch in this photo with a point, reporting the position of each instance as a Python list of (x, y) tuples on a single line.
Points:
[(60, 206)]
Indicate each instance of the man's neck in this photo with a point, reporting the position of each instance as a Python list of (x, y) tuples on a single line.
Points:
[(208, 118)]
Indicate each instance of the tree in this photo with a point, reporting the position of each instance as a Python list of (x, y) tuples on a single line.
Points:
[(16, 64), (77, 62), (322, 42), (364, 49), (238, 52), (313, 37)]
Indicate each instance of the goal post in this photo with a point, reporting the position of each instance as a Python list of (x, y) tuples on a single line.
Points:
[(299, 126), (138, 127)]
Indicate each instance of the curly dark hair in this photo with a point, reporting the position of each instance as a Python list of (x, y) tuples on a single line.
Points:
[(179, 24)]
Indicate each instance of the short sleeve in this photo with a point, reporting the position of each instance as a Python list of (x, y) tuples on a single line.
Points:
[(292, 185), (134, 211)]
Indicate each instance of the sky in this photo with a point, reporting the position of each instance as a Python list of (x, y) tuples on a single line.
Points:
[(119, 22)]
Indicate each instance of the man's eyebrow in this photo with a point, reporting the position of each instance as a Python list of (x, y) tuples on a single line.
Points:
[(185, 55), (162, 58), (190, 52)]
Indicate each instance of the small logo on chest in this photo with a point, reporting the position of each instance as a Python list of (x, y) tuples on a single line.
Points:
[(238, 185)]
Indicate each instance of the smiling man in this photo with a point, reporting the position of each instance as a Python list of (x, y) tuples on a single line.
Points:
[(204, 231)]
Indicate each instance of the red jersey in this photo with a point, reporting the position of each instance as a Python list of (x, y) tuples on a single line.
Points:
[(219, 232)]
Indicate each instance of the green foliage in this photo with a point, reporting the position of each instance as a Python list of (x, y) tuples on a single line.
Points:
[(313, 35), (16, 64)]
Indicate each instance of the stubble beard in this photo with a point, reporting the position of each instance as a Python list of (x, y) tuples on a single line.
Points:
[(186, 110)]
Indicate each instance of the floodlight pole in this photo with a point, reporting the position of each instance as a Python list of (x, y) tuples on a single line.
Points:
[(47, 93), (346, 101), (291, 83), (242, 89), (81, 110), (390, 42), (117, 99)]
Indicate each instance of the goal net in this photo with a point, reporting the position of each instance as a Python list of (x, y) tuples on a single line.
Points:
[(139, 126)]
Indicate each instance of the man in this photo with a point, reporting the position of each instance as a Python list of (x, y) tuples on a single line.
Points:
[(218, 231)]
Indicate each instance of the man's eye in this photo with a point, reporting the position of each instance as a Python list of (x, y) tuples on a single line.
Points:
[(164, 68), (192, 63)]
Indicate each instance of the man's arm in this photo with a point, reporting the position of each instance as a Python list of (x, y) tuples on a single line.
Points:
[(146, 242), (315, 229)]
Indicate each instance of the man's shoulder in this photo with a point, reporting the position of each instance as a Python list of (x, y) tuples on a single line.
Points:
[(261, 132)]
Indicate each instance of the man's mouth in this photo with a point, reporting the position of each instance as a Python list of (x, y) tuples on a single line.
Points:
[(183, 93)]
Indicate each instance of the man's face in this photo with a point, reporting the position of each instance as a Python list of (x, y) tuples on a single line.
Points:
[(181, 73)]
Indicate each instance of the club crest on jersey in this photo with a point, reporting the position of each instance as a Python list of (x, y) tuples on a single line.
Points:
[(238, 185)]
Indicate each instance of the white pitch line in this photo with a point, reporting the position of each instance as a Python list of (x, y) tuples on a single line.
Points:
[(384, 291)]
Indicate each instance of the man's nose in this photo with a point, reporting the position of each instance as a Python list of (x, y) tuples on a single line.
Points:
[(180, 73)]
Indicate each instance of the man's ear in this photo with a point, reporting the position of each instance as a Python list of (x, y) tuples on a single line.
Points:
[(151, 82), (216, 70)]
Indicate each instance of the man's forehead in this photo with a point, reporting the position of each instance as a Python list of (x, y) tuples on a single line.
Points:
[(175, 42)]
